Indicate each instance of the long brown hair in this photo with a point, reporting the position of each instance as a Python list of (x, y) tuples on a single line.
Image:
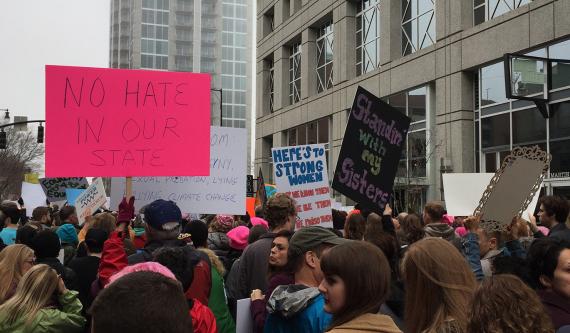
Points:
[(412, 228), (354, 226), (503, 303), (33, 293), (439, 286), (366, 275), (12, 260)]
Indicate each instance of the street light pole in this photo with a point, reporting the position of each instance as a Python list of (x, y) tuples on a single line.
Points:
[(4, 143)]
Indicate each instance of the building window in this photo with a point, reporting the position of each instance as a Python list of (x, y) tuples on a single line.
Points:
[(268, 22), (502, 124), (485, 10), (295, 74), (418, 25), (314, 132), (413, 160), (154, 30), (271, 87), (325, 57), (367, 36)]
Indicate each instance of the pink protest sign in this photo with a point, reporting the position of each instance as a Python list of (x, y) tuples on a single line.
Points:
[(119, 122)]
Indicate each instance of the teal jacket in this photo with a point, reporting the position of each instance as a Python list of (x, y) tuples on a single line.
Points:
[(51, 320), (296, 308)]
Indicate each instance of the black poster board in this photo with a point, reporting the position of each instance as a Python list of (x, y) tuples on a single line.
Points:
[(370, 152)]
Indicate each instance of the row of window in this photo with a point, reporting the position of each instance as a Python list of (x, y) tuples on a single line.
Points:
[(234, 39), (418, 27), (234, 25), (234, 10), (234, 53), (234, 67), (418, 32), (156, 4), (232, 81), (501, 124)]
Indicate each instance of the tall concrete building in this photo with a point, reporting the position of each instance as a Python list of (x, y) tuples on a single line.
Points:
[(438, 61), (209, 36)]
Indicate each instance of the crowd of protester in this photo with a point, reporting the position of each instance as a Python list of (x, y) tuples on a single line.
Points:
[(159, 270)]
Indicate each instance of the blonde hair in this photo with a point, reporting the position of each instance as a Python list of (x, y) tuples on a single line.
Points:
[(32, 294), (12, 260), (439, 286), (104, 221)]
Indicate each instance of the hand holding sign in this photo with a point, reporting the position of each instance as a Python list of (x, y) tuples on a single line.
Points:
[(126, 210)]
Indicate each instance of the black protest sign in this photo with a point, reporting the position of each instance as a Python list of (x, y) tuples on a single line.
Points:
[(54, 188), (370, 152)]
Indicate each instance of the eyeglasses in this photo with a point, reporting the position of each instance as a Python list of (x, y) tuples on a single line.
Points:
[(31, 261)]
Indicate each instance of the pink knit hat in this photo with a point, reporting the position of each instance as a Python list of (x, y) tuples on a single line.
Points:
[(461, 231), (259, 221), (149, 266), (238, 237), (448, 219), (222, 223), (545, 231)]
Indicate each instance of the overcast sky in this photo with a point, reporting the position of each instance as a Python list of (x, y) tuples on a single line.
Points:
[(34, 33)]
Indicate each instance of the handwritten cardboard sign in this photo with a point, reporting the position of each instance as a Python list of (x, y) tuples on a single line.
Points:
[(118, 122), (54, 188), (513, 187), (301, 172), (90, 200), (370, 152), (223, 192)]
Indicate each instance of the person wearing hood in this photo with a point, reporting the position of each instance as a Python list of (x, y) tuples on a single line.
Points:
[(433, 221), (300, 307), (356, 283), (69, 241)]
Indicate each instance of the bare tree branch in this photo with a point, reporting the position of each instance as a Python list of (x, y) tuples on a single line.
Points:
[(21, 156)]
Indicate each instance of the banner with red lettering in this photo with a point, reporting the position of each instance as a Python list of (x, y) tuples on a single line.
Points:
[(119, 122), (301, 172)]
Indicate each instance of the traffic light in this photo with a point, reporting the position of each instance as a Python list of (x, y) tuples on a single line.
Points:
[(40, 134), (3, 142)]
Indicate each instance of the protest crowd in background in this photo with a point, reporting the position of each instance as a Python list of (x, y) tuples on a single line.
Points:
[(158, 270), (293, 263)]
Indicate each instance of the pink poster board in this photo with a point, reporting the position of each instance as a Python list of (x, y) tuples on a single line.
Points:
[(119, 122)]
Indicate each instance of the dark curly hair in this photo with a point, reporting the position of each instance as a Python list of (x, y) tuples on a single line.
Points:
[(555, 206), (503, 303), (278, 209)]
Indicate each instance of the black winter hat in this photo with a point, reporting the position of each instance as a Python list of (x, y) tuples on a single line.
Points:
[(198, 231)]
